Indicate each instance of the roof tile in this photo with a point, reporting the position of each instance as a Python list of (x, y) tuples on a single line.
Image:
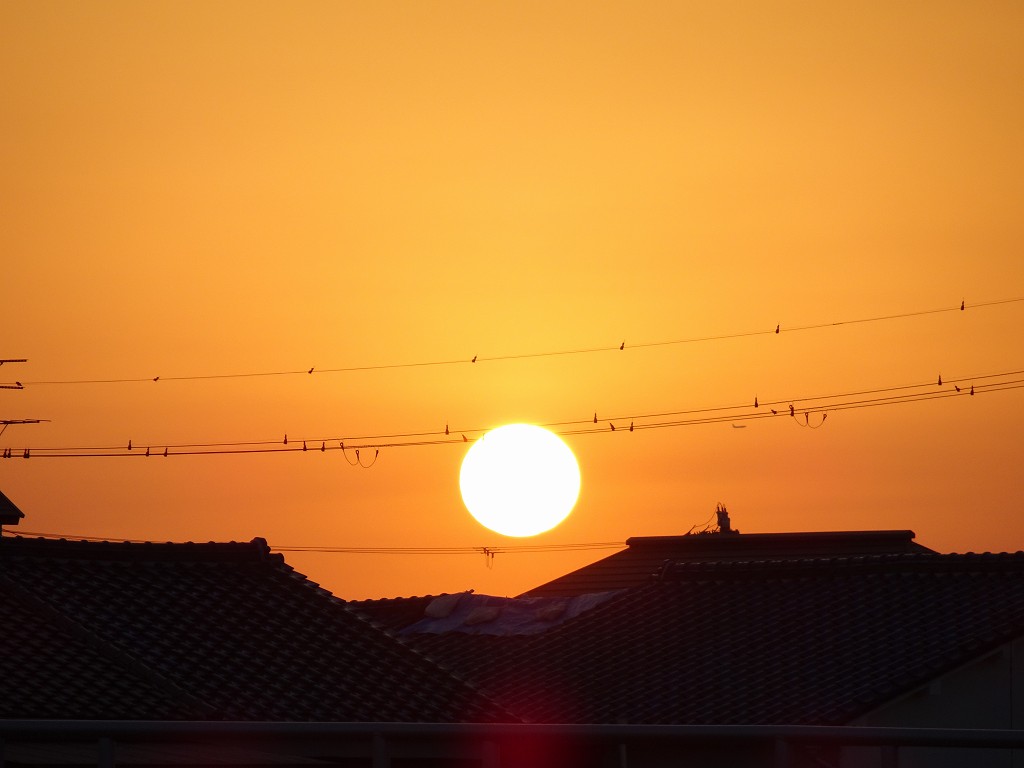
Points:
[(231, 625), (813, 641)]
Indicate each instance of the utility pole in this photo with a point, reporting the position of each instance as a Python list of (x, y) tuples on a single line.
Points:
[(9, 513), (5, 423)]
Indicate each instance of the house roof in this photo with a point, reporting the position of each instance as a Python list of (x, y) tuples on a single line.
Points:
[(647, 555), (9, 512), (100, 630), (813, 640), (476, 614)]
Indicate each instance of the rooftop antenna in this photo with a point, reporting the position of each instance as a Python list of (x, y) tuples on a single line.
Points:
[(7, 422), (17, 384)]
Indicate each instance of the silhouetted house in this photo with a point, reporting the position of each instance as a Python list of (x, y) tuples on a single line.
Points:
[(647, 555), (9, 513), (805, 629), (177, 633), (856, 648)]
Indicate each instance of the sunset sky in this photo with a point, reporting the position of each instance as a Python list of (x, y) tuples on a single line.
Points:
[(382, 191)]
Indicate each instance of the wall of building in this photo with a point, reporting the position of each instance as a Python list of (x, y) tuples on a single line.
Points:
[(985, 693)]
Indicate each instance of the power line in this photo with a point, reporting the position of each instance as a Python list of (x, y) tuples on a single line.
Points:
[(792, 407), (511, 549), (777, 329)]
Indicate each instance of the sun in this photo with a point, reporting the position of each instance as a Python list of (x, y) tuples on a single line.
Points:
[(519, 480)]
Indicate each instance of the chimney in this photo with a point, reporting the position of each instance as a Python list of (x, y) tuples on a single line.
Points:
[(724, 526)]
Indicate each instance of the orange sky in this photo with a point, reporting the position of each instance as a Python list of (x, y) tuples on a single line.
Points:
[(197, 188)]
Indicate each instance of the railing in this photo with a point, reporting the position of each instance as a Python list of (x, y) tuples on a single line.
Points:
[(106, 743)]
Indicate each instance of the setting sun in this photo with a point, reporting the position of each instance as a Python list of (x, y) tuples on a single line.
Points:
[(519, 480), (382, 229)]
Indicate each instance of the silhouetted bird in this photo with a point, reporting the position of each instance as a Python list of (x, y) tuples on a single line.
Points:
[(474, 359), (595, 417), (156, 378), (612, 426), (129, 445), (755, 402), (940, 379), (622, 346), (465, 439), (972, 389), (792, 410), (961, 306), (310, 370), (956, 387), (774, 412), (776, 329), (446, 429), (631, 426)]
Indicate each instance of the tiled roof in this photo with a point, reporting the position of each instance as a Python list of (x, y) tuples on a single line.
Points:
[(53, 670), (393, 613), (229, 631), (201, 631), (646, 555), (800, 641)]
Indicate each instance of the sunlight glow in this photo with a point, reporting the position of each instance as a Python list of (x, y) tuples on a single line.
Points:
[(519, 480)]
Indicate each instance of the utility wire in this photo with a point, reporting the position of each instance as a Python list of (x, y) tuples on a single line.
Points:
[(512, 549), (622, 346), (755, 410)]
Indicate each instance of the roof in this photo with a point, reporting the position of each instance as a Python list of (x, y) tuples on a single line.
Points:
[(647, 555), (476, 614), (9, 512), (219, 631), (228, 631), (815, 640)]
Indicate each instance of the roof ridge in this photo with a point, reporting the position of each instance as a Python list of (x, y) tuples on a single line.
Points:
[(818, 565), (86, 549), (734, 539)]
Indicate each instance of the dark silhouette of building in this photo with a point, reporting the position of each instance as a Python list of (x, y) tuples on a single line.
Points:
[(9, 513), (835, 648)]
